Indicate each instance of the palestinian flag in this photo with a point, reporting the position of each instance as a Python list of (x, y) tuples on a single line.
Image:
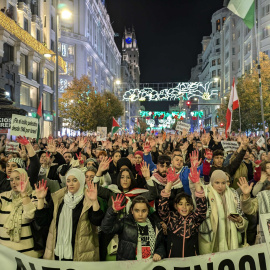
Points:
[(115, 126), (245, 9), (39, 116)]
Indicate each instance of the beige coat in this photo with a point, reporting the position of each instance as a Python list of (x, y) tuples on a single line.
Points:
[(206, 246), (86, 240)]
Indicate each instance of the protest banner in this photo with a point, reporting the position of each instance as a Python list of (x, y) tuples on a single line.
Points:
[(265, 224), (181, 126), (101, 133), (261, 142), (24, 126), (5, 122), (230, 145), (12, 147), (250, 258)]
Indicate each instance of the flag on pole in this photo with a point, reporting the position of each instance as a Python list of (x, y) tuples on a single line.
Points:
[(115, 126), (233, 105), (245, 9), (39, 116)]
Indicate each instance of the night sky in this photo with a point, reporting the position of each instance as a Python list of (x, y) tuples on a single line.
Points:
[(169, 34)]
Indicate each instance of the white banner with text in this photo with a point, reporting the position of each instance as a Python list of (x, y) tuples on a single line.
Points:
[(249, 258)]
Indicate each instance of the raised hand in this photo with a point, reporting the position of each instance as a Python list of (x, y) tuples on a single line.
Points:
[(91, 192), (22, 140), (194, 156), (145, 169), (147, 147), (194, 175), (244, 186), (116, 204), (79, 157), (23, 184), (82, 142), (22, 152), (51, 146), (41, 190), (208, 154), (104, 164), (172, 176)]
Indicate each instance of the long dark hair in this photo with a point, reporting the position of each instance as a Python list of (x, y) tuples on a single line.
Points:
[(139, 199), (133, 183)]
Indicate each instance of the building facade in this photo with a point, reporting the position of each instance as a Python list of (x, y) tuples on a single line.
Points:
[(27, 34), (229, 52), (88, 47)]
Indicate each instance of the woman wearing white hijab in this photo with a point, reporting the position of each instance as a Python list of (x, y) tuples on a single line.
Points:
[(224, 222), (17, 210), (73, 215)]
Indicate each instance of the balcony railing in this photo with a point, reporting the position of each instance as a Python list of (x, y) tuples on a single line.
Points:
[(13, 28)]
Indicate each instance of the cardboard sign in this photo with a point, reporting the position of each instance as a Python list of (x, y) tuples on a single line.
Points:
[(181, 126), (230, 145), (12, 147), (5, 122), (101, 134), (24, 126), (261, 142)]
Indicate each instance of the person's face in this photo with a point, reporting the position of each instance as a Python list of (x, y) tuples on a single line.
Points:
[(89, 176), (263, 156), (36, 147), (125, 180), (67, 157), (125, 145), (254, 152), (100, 158), (177, 162), (251, 158), (116, 157), (15, 181), (219, 185), (90, 163), (247, 155), (183, 207), (11, 166), (199, 146), (62, 145), (73, 184), (42, 158), (140, 212), (267, 168), (9, 156), (218, 161), (163, 168), (138, 159)]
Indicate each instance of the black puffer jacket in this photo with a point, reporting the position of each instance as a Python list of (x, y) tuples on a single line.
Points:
[(127, 230)]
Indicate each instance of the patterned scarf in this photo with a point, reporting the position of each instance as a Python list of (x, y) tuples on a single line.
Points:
[(163, 180)]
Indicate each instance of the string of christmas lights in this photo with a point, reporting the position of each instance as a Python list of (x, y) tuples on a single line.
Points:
[(182, 90)]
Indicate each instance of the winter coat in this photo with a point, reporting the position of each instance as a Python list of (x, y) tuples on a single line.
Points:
[(127, 230), (182, 231), (26, 243), (85, 236)]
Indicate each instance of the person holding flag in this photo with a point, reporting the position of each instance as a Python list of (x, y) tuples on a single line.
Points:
[(115, 126)]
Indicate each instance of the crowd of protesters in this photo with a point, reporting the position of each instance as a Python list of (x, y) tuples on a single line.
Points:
[(132, 197)]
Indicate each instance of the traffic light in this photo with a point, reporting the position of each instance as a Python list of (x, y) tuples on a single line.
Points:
[(221, 124), (188, 103)]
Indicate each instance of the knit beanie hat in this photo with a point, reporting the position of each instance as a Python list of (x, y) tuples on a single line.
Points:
[(19, 162), (139, 153), (91, 159), (218, 174), (81, 178)]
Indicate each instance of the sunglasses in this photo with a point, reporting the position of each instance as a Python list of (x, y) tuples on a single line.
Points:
[(165, 163)]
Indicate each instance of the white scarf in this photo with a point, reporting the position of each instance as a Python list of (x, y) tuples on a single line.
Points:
[(223, 221), (63, 248)]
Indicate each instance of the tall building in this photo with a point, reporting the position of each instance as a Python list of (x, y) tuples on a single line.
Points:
[(130, 76), (88, 47), (27, 34)]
